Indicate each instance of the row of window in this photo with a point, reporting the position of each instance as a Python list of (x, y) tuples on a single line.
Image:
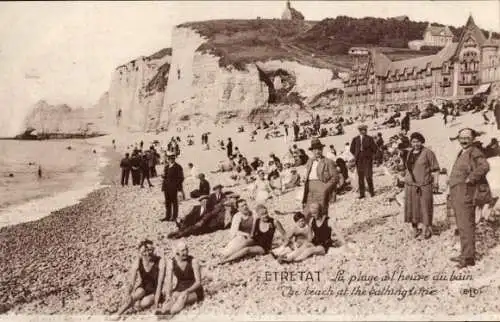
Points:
[(397, 96)]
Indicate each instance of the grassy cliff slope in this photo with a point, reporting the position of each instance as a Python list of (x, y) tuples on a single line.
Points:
[(322, 44)]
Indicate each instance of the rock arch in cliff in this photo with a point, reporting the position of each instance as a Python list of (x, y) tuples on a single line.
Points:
[(280, 84)]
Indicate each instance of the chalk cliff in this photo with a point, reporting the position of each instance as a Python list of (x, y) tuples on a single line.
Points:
[(59, 119), (193, 84), (137, 90), (203, 79)]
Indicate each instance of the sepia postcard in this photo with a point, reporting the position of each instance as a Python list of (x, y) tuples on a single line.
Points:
[(249, 160)]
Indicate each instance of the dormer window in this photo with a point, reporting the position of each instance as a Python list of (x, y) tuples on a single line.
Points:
[(446, 68), (428, 70)]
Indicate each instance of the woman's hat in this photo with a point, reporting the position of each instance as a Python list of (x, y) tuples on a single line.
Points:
[(418, 136), (316, 144)]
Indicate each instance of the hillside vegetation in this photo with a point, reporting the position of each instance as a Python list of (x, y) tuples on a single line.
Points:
[(322, 44)]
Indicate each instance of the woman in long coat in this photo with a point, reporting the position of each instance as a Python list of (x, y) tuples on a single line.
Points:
[(421, 169)]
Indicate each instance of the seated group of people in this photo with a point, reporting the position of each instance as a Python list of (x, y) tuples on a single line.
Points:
[(151, 281), (253, 233)]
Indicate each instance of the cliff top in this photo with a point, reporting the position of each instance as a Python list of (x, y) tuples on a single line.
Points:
[(322, 44), (158, 55)]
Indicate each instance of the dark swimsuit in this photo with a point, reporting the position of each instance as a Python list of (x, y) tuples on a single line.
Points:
[(246, 224), (185, 278), (149, 279), (322, 234), (264, 239)]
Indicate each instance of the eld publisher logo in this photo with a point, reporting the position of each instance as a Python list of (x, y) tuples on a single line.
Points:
[(471, 291)]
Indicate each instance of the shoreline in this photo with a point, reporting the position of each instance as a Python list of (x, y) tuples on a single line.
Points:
[(39, 207), (74, 263)]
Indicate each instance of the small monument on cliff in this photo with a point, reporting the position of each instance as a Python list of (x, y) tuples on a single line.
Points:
[(290, 13)]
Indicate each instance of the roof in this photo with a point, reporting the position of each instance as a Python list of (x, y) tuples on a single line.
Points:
[(296, 15), (291, 13), (439, 31), (490, 42), (382, 64), (471, 27)]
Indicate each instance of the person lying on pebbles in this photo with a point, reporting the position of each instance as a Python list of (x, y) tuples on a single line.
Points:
[(150, 269), (262, 235), (321, 237), (187, 272), (218, 218)]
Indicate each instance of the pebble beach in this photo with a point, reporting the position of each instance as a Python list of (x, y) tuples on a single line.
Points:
[(74, 262)]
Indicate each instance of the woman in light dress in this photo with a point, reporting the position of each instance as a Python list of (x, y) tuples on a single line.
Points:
[(261, 189), (241, 230)]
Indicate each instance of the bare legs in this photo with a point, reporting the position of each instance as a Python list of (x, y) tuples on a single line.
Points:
[(177, 302), (246, 251), (236, 244), (302, 253), (139, 297)]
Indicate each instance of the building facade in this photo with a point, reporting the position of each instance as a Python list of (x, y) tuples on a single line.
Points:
[(460, 70), (291, 13), (437, 36)]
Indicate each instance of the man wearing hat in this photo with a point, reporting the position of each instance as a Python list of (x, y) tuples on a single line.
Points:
[(467, 176), (215, 197), (320, 178), (196, 213), (218, 218), (173, 177), (135, 167), (363, 148)]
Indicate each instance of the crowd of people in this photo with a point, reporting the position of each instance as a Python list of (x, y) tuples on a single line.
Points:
[(252, 226)]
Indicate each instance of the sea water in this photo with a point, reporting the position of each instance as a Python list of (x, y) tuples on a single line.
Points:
[(70, 170)]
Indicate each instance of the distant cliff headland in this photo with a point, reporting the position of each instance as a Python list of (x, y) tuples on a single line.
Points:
[(231, 68)]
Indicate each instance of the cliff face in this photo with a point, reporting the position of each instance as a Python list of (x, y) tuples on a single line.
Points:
[(155, 94), (198, 85), (45, 118), (136, 93), (188, 82)]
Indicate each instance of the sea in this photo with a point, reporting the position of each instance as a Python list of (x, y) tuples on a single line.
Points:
[(70, 170)]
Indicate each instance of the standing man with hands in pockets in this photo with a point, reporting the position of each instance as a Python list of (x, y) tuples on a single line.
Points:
[(363, 148), (467, 178), (321, 178)]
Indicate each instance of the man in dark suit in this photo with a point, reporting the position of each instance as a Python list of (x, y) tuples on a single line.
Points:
[(203, 189), (173, 177), (215, 197), (126, 167), (467, 179), (363, 148), (321, 178), (405, 122), (135, 167), (145, 169), (229, 147), (195, 214), (216, 219)]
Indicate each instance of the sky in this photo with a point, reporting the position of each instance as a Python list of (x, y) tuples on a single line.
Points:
[(65, 52)]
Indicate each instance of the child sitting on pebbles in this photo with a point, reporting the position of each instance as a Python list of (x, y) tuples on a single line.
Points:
[(321, 237), (299, 238)]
